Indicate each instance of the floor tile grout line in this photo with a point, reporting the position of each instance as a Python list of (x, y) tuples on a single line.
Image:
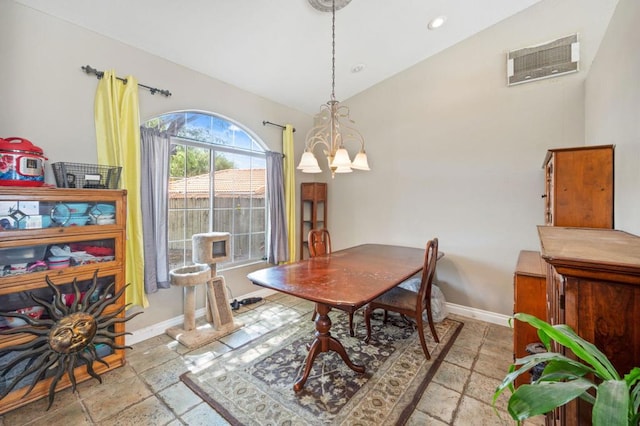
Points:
[(466, 383)]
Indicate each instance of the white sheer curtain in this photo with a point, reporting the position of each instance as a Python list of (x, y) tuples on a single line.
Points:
[(278, 244), (154, 188)]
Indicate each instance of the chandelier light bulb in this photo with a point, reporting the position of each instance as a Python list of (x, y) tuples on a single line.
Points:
[(341, 159), (308, 161), (343, 169), (360, 162)]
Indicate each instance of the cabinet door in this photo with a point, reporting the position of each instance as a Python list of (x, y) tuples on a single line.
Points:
[(581, 187), (606, 314), (313, 212)]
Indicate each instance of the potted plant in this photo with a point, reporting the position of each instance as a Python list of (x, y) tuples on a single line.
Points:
[(615, 400)]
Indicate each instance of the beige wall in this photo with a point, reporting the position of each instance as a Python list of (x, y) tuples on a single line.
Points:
[(612, 108), (457, 154), (46, 98)]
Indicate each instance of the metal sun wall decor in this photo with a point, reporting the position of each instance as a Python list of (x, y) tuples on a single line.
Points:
[(67, 339)]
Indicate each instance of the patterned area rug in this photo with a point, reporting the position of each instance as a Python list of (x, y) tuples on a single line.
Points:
[(253, 385)]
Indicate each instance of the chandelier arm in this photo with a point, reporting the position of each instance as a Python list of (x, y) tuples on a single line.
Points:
[(357, 136), (343, 111), (314, 140)]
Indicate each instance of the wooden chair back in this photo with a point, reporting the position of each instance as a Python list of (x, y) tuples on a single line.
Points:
[(409, 303), (319, 242), (428, 272)]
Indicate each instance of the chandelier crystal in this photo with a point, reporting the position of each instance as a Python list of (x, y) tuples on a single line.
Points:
[(331, 125)]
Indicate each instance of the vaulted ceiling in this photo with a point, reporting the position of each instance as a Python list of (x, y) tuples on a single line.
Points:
[(281, 49)]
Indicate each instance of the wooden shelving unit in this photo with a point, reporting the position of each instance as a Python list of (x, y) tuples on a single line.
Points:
[(313, 212), (34, 244)]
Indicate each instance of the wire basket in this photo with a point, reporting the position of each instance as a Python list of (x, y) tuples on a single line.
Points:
[(80, 175)]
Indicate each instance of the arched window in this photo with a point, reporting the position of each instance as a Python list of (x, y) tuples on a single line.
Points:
[(217, 182)]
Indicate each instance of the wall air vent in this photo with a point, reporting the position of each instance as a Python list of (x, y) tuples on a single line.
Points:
[(543, 61)]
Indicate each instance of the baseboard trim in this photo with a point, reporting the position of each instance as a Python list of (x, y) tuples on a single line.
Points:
[(466, 311), (159, 328)]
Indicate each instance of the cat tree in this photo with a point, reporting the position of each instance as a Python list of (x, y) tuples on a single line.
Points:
[(209, 249)]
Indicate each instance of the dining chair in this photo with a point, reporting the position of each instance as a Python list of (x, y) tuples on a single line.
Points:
[(319, 241), (409, 303)]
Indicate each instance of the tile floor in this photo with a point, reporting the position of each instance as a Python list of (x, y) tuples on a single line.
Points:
[(147, 390)]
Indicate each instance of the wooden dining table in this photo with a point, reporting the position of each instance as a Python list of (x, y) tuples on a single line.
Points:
[(346, 279)]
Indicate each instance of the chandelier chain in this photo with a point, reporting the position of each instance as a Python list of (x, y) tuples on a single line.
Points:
[(333, 51)]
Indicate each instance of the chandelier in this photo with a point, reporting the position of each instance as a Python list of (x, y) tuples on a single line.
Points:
[(330, 130)]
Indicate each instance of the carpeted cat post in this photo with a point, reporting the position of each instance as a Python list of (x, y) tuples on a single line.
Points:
[(208, 250)]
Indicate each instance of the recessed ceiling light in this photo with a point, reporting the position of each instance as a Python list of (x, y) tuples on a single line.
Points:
[(436, 22), (357, 68)]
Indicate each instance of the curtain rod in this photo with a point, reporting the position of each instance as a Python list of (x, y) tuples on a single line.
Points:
[(264, 123), (89, 70)]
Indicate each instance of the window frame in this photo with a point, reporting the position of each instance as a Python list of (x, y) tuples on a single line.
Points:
[(214, 149)]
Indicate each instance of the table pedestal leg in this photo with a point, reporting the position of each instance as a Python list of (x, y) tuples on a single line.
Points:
[(324, 342)]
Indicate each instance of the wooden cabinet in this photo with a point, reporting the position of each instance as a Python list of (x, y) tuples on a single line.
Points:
[(313, 212), (85, 229), (578, 194), (529, 290), (579, 186), (594, 287)]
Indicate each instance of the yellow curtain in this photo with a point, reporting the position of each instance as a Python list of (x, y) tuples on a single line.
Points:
[(290, 189), (117, 120)]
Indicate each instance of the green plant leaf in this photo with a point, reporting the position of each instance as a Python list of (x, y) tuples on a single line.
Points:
[(542, 397), (545, 339), (632, 376), (612, 402), (526, 364), (584, 350), (635, 399), (565, 369), (530, 361)]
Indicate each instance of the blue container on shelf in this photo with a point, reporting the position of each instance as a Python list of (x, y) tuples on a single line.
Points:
[(102, 209)]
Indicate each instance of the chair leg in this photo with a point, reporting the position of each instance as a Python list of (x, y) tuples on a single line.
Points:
[(351, 332), (314, 316), (367, 322), (406, 320), (423, 341), (431, 324)]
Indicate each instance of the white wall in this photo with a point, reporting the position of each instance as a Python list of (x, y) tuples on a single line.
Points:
[(457, 154), (46, 98), (613, 108)]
